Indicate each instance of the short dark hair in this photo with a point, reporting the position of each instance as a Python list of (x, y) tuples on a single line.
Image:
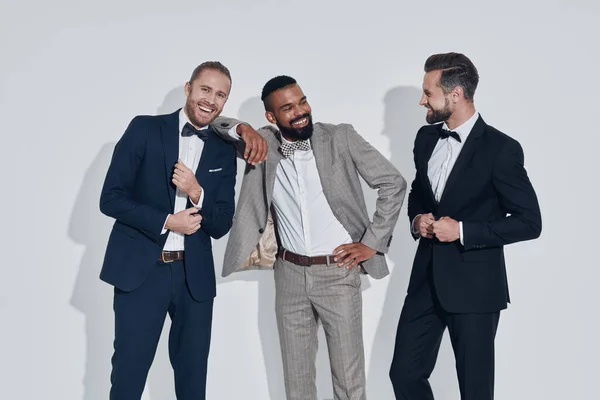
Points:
[(274, 84), (214, 65), (457, 70)]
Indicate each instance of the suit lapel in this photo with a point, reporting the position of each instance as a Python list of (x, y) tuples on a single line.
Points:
[(427, 149), (464, 157), (170, 141), (321, 146), (270, 167), (206, 158)]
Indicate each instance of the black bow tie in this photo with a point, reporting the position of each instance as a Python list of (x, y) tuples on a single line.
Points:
[(445, 134), (189, 130)]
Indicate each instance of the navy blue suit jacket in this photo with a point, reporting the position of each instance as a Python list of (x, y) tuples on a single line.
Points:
[(489, 191), (138, 194)]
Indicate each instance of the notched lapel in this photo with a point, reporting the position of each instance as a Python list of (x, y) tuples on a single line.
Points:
[(323, 149), (170, 141), (270, 165), (467, 152), (429, 144)]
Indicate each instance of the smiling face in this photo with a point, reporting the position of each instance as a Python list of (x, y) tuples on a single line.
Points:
[(289, 109), (438, 104), (206, 96)]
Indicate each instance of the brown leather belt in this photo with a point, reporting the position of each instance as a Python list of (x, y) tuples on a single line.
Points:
[(305, 261), (170, 256)]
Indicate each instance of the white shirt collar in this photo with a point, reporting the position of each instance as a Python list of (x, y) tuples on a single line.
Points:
[(183, 119), (464, 129)]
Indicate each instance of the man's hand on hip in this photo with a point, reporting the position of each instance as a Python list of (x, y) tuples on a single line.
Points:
[(185, 221), (350, 255)]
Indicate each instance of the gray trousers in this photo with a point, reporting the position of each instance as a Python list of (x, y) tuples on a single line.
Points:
[(305, 295)]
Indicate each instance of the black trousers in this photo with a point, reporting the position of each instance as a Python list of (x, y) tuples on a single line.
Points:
[(420, 330), (139, 319)]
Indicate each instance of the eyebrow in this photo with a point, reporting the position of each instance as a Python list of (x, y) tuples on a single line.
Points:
[(289, 104)]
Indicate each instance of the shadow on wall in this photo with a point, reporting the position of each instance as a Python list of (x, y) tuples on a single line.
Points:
[(402, 119), (89, 227), (91, 296)]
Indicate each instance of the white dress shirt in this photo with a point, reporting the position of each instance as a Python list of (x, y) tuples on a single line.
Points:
[(442, 160), (190, 151), (306, 224)]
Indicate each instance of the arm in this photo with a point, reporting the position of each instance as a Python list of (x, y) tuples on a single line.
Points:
[(517, 198), (380, 174), (416, 196), (116, 199), (217, 211), (250, 144)]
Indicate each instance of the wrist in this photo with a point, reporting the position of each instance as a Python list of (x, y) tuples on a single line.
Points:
[(240, 128), (195, 194), (168, 222)]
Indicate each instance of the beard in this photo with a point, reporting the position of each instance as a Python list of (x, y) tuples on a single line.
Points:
[(294, 134), (439, 115), (190, 110)]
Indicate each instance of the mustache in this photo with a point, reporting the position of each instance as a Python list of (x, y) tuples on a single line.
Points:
[(307, 115)]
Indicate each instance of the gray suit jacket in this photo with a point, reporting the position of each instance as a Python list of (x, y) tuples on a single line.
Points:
[(341, 155)]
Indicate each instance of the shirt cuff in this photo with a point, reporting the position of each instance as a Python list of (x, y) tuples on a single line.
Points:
[(200, 200), (461, 233), (412, 226), (233, 133), (164, 229)]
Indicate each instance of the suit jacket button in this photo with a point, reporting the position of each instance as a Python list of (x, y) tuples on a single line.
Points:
[(261, 230)]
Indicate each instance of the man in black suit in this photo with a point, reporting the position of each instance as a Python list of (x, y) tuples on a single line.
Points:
[(471, 196)]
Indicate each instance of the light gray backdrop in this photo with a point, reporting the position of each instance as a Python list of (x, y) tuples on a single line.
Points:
[(74, 73)]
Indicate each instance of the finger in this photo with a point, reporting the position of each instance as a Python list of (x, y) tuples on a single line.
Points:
[(263, 149), (252, 154), (345, 259), (340, 248), (353, 264), (191, 210), (248, 147), (348, 262)]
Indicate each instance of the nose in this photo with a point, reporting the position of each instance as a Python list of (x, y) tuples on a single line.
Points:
[(423, 100), (298, 111)]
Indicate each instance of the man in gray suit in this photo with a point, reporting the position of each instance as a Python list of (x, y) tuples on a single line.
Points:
[(302, 212)]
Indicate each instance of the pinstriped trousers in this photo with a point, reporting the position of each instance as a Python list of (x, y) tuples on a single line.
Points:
[(332, 295)]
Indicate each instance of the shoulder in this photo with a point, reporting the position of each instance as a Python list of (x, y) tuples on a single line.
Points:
[(338, 132), (428, 130), (499, 140)]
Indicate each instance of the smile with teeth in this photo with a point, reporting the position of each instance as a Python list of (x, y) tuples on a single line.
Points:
[(205, 109), (300, 123)]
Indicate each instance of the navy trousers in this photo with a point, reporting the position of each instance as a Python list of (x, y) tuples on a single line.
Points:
[(139, 319)]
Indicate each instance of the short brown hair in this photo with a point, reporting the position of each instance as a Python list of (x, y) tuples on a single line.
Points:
[(214, 65)]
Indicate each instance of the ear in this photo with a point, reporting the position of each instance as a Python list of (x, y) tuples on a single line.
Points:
[(457, 93), (187, 89), (270, 117)]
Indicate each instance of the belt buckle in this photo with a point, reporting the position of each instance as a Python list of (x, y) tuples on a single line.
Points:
[(162, 256), (306, 261)]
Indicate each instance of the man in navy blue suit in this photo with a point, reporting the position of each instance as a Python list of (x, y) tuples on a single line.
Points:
[(170, 188), (471, 196)]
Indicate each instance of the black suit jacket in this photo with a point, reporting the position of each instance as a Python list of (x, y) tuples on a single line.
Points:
[(489, 191), (138, 194)]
